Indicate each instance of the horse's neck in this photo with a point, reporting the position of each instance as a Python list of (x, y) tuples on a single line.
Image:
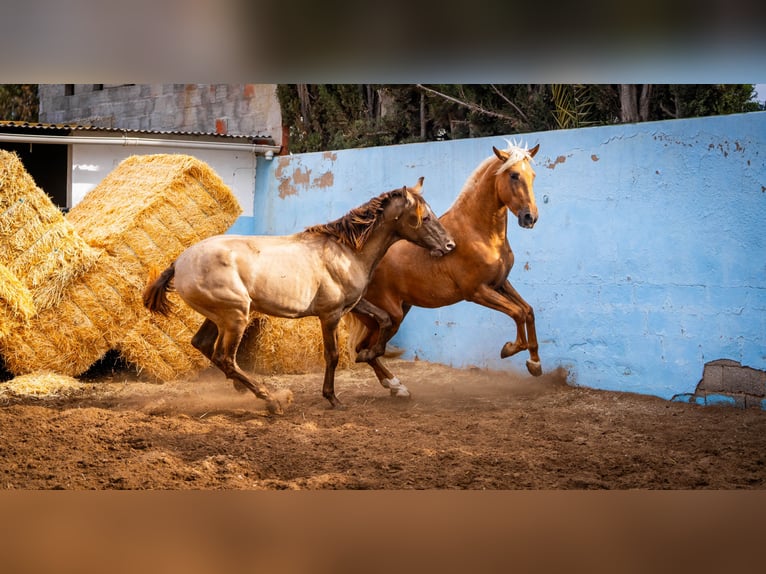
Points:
[(375, 247), (478, 206)]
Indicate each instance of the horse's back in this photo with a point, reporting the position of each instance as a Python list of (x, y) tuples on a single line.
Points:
[(285, 276)]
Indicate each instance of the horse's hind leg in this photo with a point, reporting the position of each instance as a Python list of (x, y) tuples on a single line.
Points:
[(387, 378), (204, 341), (384, 324), (225, 358)]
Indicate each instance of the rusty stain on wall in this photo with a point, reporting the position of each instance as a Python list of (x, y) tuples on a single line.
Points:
[(289, 183), (301, 177), (282, 163), (324, 180), (558, 160), (286, 188)]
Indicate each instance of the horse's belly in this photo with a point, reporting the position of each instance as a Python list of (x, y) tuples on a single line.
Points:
[(283, 294)]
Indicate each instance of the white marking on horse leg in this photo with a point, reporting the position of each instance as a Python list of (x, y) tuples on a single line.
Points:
[(534, 367), (389, 383), (396, 387)]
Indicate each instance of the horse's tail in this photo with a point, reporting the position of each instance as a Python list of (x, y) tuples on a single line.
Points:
[(156, 292)]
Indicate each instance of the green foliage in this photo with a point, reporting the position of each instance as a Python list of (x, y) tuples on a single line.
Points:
[(18, 102), (337, 116), (695, 100)]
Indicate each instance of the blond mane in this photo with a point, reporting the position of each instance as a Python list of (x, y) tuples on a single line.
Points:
[(516, 153)]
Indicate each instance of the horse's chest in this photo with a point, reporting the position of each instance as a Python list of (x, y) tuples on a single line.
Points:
[(497, 265)]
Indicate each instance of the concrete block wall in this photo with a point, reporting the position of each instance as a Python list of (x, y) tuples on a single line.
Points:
[(648, 260), (727, 382), (239, 109)]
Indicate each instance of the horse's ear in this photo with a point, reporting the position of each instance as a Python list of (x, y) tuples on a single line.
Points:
[(501, 155), (418, 186), (534, 150)]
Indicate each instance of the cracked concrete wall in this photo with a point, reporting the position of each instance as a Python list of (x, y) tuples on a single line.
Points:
[(244, 109), (648, 260)]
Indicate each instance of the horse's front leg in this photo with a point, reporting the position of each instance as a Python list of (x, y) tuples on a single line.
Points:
[(331, 356), (533, 364), (516, 308)]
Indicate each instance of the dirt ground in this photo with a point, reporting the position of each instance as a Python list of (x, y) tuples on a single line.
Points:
[(462, 429)]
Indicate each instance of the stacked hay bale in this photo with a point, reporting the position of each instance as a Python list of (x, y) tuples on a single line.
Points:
[(70, 287), (272, 345), (16, 304), (143, 215), (41, 259)]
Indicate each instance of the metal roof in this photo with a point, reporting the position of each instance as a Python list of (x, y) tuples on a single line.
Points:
[(28, 127)]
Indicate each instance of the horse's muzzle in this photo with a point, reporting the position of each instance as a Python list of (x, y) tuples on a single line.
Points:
[(527, 218), (439, 251)]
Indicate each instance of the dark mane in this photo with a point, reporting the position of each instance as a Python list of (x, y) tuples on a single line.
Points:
[(354, 228)]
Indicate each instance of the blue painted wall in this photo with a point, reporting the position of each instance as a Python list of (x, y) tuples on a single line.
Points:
[(649, 258)]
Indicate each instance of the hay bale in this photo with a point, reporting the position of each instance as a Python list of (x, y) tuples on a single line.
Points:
[(71, 336), (41, 384), (16, 303), (272, 345), (151, 207), (144, 214), (37, 244), (161, 346)]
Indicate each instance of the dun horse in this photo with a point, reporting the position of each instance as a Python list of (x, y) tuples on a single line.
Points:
[(476, 271), (322, 271)]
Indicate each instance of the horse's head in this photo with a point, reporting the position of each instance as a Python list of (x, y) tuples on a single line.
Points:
[(514, 182), (415, 221)]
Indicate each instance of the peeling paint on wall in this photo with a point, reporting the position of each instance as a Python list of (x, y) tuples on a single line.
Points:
[(558, 160), (325, 180)]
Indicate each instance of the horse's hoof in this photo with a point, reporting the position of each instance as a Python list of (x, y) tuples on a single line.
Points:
[(274, 408), (508, 350), (391, 383), (279, 401), (396, 387), (534, 367), (401, 393)]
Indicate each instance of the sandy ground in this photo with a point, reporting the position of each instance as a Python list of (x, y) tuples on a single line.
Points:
[(462, 429)]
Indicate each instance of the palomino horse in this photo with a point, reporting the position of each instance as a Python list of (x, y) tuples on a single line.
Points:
[(476, 271), (322, 271)]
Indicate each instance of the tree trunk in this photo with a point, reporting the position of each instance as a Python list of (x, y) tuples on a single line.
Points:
[(643, 105), (628, 104), (303, 98), (634, 107)]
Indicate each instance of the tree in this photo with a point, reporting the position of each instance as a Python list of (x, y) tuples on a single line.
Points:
[(18, 102), (336, 116)]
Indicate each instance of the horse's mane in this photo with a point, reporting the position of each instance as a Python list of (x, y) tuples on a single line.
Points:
[(354, 228), (516, 153)]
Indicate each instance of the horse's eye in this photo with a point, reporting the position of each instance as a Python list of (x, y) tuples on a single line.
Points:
[(426, 218), (515, 176)]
